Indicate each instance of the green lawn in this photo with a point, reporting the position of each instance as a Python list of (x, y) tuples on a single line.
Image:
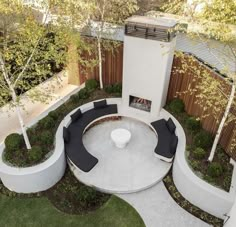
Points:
[(40, 212)]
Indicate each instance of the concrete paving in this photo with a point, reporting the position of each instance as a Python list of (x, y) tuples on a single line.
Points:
[(8, 117), (123, 170), (158, 209)]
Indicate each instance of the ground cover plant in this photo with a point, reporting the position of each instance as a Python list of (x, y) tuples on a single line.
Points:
[(42, 134), (199, 142), (185, 204)]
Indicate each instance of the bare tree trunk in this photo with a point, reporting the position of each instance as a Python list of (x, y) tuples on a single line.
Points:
[(14, 98), (100, 63), (23, 129), (219, 131)]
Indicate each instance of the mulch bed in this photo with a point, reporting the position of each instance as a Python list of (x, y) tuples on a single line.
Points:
[(185, 204), (68, 195)]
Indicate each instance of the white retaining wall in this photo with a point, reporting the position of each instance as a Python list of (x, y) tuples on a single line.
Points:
[(39, 177), (205, 196), (44, 175)]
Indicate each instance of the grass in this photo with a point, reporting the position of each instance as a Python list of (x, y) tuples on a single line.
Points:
[(37, 212)]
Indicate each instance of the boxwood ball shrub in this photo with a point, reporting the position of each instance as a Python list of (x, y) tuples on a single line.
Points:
[(199, 153), (46, 123), (203, 139), (14, 142), (35, 153), (176, 106), (214, 169), (54, 114), (91, 84), (75, 98), (83, 93), (193, 124), (114, 88), (87, 195), (46, 138)]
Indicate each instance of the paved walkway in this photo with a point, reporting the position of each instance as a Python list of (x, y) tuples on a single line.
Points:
[(8, 119), (158, 209)]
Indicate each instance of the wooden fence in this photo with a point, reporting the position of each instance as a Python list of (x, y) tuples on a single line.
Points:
[(178, 87), (112, 67)]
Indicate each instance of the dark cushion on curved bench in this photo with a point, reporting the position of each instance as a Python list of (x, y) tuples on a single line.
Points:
[(167, 142), (75, 149), (80, 157), (75, 116), (100, 104), (173, 145), (66, 135), (171, 125)]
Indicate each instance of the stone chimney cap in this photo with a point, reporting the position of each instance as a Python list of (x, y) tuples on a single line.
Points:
[(151, 21)]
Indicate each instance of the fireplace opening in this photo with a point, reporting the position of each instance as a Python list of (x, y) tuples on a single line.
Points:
[(140, 103)]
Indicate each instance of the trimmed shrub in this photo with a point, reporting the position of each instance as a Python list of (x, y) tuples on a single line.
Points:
[(91, 85), (109, 89), (54, 114), (199, 153), (195, 164), (35, 153), (193, 124), (75, 98), (214, 169), (46, 123), (83, 93), (115, 88), (87, 194), (176, 106), (46, 138), (14, 142), (203, 139), (33, 135)]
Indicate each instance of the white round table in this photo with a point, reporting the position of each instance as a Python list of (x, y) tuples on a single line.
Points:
[(120, 137)]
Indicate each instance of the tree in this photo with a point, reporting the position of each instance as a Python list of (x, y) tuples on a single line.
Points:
[(213, 19), (108, 14), (22, 39)]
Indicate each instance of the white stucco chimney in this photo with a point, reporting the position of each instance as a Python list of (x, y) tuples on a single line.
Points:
[(149, 45)]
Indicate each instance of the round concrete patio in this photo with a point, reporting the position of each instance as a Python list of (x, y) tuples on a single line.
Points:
[(125, 170)]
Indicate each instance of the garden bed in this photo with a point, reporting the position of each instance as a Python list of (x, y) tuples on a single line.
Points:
[(185, 204), (42, 134), (198, 146)]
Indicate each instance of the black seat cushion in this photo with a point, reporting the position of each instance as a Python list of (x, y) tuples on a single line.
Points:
[(167, 141), (75, 116), (171, 125), (66, 135), (75, 150), (173, 144), (100, 104)]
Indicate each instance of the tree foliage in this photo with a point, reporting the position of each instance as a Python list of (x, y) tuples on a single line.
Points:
[(216, 20)]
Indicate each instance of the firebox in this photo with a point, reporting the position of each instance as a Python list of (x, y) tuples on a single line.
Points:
[(140, 103)]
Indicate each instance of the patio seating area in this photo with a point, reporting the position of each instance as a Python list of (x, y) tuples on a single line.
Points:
[(104, 165)]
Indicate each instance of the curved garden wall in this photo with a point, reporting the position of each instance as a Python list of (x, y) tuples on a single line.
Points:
[(203, 195), (39, 177)]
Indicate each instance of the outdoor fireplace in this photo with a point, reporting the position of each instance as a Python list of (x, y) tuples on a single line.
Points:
[(149, 45), (140, 103)]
